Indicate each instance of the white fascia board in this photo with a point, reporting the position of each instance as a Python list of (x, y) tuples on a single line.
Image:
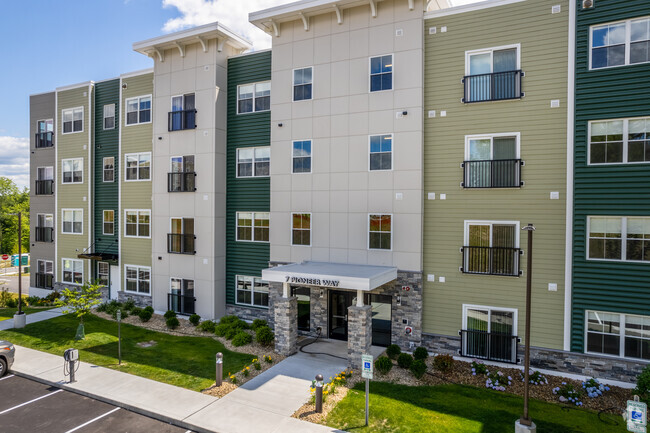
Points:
[(281, 273), (137, 73), (75, 86), (468, 8)]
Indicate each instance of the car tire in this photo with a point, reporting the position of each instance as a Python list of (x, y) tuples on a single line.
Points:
[(3, 367)]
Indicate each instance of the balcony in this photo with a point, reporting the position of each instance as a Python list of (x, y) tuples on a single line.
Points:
[(497, 86), (500, 173), (44, 281), (502, 261), (181, 181), (44, 187), (44, 139), (181, 304), (180, 243), (180, 120), (492, 346), (44, 234)]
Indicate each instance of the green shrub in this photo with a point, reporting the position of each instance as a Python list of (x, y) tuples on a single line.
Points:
[(231, 332), (221, 329), (258, 323), (129, 304), (169, 314), (206, 326), (264, 336), (418, 368), (643, 384), (33, 300), (112, 307), (383, 364), (52, 296), (404, 360), (101, 308), (135, 311), (173, 323), (145, 315), (228, 319), (241, 339), (421, 353), (11, 303), (443, 363), (149, 308), (195, 319), (125, 313), (393, 351)]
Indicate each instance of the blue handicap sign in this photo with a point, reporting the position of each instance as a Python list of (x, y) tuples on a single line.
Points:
[(366, 365), (636, 416)]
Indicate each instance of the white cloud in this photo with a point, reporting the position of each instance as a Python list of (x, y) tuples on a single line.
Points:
[(14, 159)]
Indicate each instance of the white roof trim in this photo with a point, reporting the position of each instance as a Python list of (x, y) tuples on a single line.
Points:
[(468, 8), (75, 86), (136, 73)]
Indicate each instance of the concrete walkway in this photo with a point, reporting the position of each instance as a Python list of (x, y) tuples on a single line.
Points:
[(32, 318)]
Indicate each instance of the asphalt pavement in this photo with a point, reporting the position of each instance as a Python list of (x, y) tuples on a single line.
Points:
[(11, 282)]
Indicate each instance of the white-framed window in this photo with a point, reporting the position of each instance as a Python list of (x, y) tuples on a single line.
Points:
[(45, 267), (138, 279), (481, 323), (493, 60), (253, 226), (619, 141), (619, 43), (73, 120), (491, 147), (138, 166), (490, 319), (381, 152), (301, 229), (109, 116), (622, 335), (103, 270), (138, 110), (381, 73), (253, 161), (492, 160), (493, 74), (491, 247), (73, 271), (108, 164), (108, 224), (380, 231), (252, 291), (254, 97), (72, 170), (301, 156), (618, 238), (303, 79), (137, 223), (72, 221)]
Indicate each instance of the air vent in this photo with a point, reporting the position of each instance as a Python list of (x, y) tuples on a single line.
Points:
[(588, 4), (432, 30), (556, 9)]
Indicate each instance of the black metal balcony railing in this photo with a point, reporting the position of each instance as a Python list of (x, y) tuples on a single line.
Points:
[(180, 243), (44, 187), (44, 281), (497, 86), (44, 139), (492, 346), (44, 234), (179, 120), (181, 181), (491, 261), (498, 173), (182, 304)]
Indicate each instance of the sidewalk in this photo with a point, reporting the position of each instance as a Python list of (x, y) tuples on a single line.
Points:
[(32, 318)]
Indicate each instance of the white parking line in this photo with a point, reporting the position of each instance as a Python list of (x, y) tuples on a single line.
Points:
[(7, 377), (28, 402), (93, 420)]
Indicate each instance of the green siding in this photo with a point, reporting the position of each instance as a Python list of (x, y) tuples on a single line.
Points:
[(624, 190), (250, 194)]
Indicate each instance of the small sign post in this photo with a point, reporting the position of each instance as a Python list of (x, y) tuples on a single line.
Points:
[(119, 337), (366, 372), (637, 416)]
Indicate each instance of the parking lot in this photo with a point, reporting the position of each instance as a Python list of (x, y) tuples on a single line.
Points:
[(29, 406)]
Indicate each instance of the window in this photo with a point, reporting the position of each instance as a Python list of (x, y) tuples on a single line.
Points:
[(181, 239), (381, 73), (72, 221), (253, 226), (183, 114), (181, 296), (624, 335), (137, 223), (301, 156), (182, 175), (44, 274), (45, 220), (491, 248), (73, 271), (44, 133), (492, 161), (621, 43), (253, 161), (109, 116), (381, 152), (45, 173), (380, 231), (44, 126), (489, 333), (102, 273), (619, 141), (492, 74), (252, 291), (44, 230), (109, 169), (72, 170), (138, 110), (109, 222), (45, 267), (301, 229), (254, 97), (138, 279), (73, 120), (302, 83), (138, 166), (619, 238)]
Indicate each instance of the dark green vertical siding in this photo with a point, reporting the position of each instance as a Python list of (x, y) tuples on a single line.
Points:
[(250, 194), (106, 144), (623, 190)]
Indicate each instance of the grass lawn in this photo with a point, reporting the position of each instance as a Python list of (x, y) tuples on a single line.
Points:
[(188, 362), (457, 408), (8, 313)]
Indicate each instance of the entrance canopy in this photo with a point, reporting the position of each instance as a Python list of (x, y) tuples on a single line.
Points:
[(332, 275)]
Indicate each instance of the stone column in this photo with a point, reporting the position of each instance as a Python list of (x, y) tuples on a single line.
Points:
[(286, 325), (359, 334)]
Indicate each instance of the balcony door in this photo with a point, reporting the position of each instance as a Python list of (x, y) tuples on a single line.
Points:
[(182, 116), (489, 333), (181, 299), (491, 248), (492, 74), (492, 162), (182, 239), (182, 177)]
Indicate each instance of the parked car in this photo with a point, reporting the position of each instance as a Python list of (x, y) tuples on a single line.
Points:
[(7, 352)]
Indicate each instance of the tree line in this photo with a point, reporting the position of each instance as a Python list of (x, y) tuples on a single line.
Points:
[(12, 201)]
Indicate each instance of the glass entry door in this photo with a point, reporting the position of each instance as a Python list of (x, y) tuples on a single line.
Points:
[(338, 314)]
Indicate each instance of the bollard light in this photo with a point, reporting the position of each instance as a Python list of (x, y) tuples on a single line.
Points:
[(219, 369), (319, 393)]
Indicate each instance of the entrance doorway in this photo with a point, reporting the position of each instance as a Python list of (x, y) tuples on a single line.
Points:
[(114, 281), (338, 309), (339, 302)]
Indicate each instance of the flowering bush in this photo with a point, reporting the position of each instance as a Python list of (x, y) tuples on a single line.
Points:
[(330, 387), (268, 359), (568, 393), (246, 371), (233, 378), (498, 381), (256, 364), (594, 388), (478, 368), (534, 377)]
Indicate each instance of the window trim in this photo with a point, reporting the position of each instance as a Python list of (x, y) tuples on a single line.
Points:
[(126, 108), (83, 271), (254, 173), (252, 240), (311, 156), (104, 128), (293, 83), (621, 348), (83, 125), (252, 304), (491, 50), (104, 222), (62, 172), (45, 261), (624, 239), (311, 227), (45, 120), (392, 232), (468, 138), (490, 223), (515, 316), (370, 74), (104, 170), (45, 215), (138, 212), (392, 150), (254, 84), (626, 140), (138, 267), (126, 167), (63, 221), (628, 26), (44, 166)]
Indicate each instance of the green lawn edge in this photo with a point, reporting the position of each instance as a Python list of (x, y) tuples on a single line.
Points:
[(8, 313)]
